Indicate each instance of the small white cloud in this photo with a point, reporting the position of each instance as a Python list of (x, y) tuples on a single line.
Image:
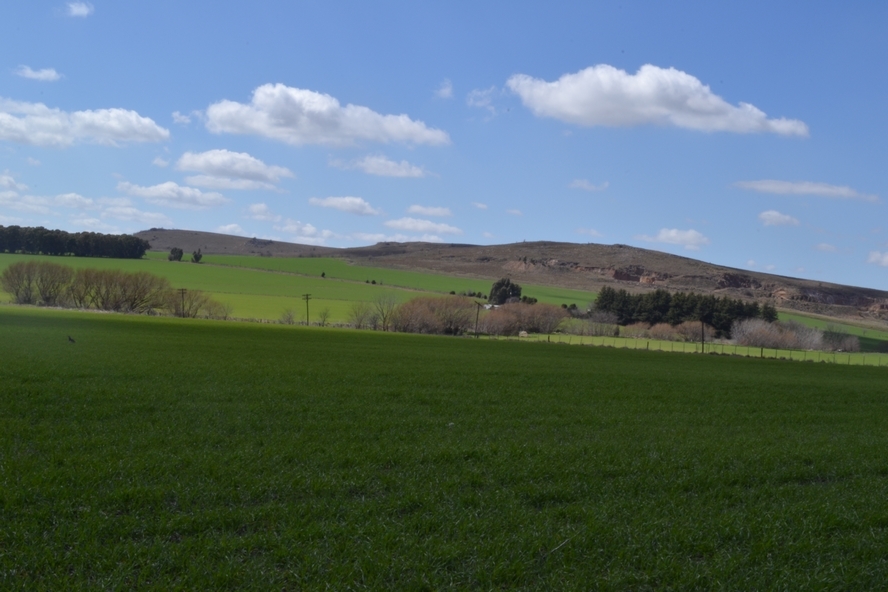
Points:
[(515, 212), (26, 203), (173, 195), (38, 125), (231, 229), (426, 226), (223, 183), (80, 9), (352, 205), (877, 258), (94, 224), (587, 186), (775, 218), (479, 205), (689, 239), (590, 232), (298, 116), (482, 99), (377, 237), (606, 96), (750, 263), (770, 267), (74, 200), (131, 214), (234, 165), (382, 167), (160, 162), (487, 234), (8, 182), (260, 211), (445, 91), (826, 248), (181, 119), (32, 161), (305, 233), (44, 75), (429, 211), (805, 188)]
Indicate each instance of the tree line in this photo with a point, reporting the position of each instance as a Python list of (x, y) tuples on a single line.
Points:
[(50, 284), (660, 306), (39, 240)]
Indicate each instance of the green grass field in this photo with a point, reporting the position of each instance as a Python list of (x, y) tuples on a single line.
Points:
[(166, 453)]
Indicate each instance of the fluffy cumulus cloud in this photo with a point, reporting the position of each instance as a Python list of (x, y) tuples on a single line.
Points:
[(223, 169), (173, 195), (39, 125), (44, 75), (305, 233), (424, 226), (775, 218), (382, 167), (877, 258), (429, 211), (7, 181), (689, 239), (482, 99), (805, 188), (132, 214), (607, 96), (260, 211), (299, 116), (161, 162), (80, 9), (587, 186), (352, 205)]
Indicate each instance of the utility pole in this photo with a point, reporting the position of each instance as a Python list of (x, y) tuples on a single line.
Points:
[(477, 314), (182, 293), (306, 297)]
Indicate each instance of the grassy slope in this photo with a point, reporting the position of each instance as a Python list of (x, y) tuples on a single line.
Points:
[(167, 452)]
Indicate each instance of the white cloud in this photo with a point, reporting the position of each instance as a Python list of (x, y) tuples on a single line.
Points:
[(445, 91), (515, 212), (426, 226), (381, 166), (775, 218), (227, 165), (305, 233), (299, 116), (750, 263), (94, 224), (604, 95), (483, 99), (590, 231), (231, 229), (160, 162), (25, 203), (173, 195), (181, 119), (877, 258), (80, 9), (429, 211), (8, 182), (826, 248), (479, 205), (32, 161), (260, 211), (131, 214), (352, 205), (396, 238), (74, 200), (689, 239), (805, 188), (487, 234), (223, 183), (44, 75), (587, 186), (38, 125)]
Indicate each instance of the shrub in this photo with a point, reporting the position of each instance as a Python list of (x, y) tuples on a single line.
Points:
[(663, 332), (635, 330)]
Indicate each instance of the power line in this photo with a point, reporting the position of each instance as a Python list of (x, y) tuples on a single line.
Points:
[(306, 297)]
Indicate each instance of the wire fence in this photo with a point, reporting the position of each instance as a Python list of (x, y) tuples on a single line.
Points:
[(727, 349)]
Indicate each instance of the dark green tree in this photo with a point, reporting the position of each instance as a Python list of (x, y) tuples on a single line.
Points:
[(175, 254), (196, 256), (502, 290), (768, 313)]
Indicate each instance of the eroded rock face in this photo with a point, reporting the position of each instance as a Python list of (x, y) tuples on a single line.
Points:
[(738, 280)]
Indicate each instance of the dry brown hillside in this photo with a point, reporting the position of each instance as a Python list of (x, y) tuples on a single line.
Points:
[(569, 265)]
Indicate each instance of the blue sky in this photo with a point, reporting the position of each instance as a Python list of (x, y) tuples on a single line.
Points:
[(746, 134)]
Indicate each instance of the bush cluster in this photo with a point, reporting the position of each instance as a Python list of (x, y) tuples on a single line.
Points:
[(792, 335), (511, 319), (453, 315), (39, 240), (50, 284)]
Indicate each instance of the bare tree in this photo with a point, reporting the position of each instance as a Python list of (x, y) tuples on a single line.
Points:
[(323, 316), (384, 306), (18, 280), (289, 317), (51, 280), (359, 314)]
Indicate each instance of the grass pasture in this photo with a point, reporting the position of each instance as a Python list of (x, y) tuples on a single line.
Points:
[(169, 453)]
